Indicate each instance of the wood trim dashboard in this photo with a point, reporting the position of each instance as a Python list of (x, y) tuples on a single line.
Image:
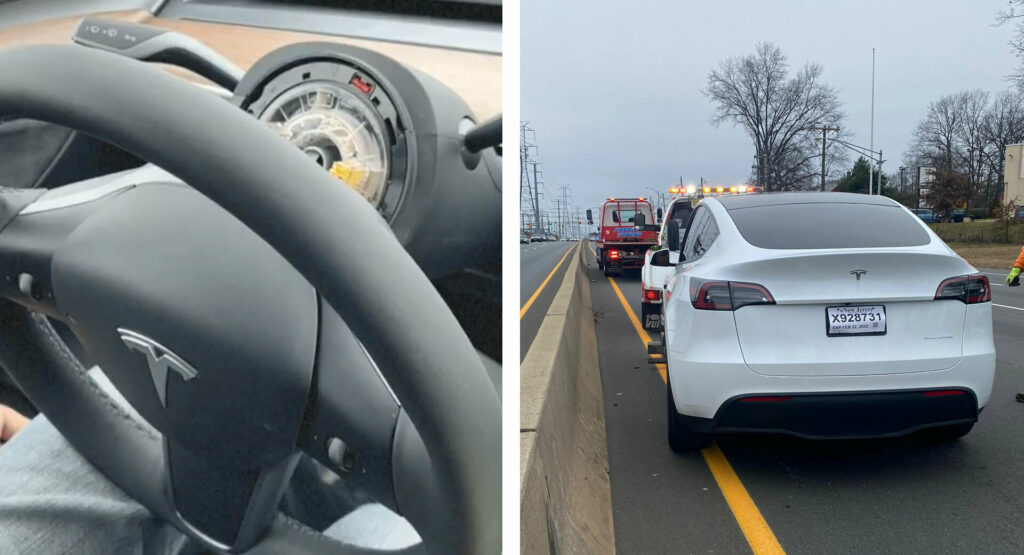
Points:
[(474, 76)]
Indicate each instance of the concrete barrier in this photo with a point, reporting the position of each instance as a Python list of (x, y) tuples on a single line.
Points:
[(564, 492)]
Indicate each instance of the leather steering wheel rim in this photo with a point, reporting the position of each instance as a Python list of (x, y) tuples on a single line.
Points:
[(250, 172)]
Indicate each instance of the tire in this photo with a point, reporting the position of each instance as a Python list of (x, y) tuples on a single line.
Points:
[(680, 437), (600, 261), (949, 433)]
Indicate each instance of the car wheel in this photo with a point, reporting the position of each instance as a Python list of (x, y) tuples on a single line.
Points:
[(680, 437), (949, 433)]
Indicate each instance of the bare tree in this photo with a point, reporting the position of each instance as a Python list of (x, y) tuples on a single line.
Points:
[(778, 112), (1015, 12), (936, 138), (971, 135), (1003, 125)]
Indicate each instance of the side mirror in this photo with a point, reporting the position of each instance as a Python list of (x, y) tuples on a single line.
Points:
[(640, 220), (660, 215), (660, 258), (673, 235), (590, 217)]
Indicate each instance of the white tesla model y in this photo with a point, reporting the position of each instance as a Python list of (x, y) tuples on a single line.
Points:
[(822, 315)]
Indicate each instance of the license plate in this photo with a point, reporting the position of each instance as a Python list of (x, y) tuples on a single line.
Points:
[(855, 320), (652, 321)]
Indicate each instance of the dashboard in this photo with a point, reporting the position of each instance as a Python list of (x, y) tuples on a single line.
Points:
[(386, 118)]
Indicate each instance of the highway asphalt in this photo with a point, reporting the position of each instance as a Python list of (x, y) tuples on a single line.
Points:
[(880, 496), (536, 262)]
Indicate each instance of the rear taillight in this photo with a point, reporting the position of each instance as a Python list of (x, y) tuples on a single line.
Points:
[(651, 295), (766, 399), (614, 255), (970, 289), (727, 295), (944, 393)]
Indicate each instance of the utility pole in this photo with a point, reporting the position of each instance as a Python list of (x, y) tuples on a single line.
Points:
[(879, 189), (536, 193), (917, 179), (901, 183), (871, 148), (531, 192), (824, 141)]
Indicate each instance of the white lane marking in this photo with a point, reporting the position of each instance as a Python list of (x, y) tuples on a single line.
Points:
[(1004, 306)]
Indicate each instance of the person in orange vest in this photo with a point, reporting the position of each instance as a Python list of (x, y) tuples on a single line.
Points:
[(1013, 280)]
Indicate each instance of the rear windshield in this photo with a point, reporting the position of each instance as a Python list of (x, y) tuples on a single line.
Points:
[(624, 213), (828, 226)]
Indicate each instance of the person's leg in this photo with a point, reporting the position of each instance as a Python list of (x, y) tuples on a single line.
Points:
[(53, 501)]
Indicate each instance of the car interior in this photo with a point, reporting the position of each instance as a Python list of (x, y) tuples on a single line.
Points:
[(295, 207)]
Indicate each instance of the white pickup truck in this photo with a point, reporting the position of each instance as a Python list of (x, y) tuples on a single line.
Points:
[(659, 263)]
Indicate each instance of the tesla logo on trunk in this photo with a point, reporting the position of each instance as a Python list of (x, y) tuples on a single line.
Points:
[(159, 359), (858, 273)]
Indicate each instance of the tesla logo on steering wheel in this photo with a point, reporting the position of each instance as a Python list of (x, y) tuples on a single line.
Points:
[(159, 359), (858, 273)]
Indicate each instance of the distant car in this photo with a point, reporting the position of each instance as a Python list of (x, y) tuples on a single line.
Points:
[(926, 215), (524, 239), (822, 316)]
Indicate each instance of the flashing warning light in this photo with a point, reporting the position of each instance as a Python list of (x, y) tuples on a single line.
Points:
[(707, 189), (613, 198), (641, 198), (614, 255), (719, 189), (742, 188), (690, 189), (673, 190), (363, 86), (734, 189)]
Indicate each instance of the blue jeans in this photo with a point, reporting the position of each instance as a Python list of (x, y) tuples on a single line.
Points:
[(52, 501)]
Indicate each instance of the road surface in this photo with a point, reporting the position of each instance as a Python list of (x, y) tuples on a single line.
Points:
[(537, 261)]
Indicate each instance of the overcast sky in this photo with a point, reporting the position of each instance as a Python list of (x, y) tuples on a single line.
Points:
[(612, 88)]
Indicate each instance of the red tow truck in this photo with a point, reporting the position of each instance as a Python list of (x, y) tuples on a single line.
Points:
[(620, 245)]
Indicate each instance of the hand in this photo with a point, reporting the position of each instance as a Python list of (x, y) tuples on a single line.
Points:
[(1012, 277), (11, 422)]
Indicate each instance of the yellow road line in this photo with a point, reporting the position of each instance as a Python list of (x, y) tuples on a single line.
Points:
[(759, 535), (529, 302), (636, 324), (754, 527)]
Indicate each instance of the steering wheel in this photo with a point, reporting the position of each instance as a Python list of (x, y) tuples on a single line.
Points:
[(221, 311)]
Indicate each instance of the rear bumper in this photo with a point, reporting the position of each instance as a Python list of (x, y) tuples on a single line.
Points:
[(841, 415)]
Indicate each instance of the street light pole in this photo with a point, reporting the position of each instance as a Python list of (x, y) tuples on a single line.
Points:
[(871, 177)]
